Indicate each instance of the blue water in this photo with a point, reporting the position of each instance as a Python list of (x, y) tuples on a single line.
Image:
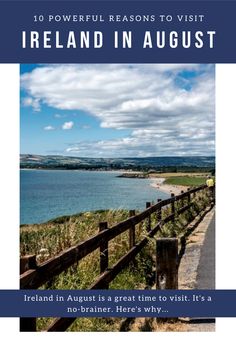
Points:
[(46, 194)]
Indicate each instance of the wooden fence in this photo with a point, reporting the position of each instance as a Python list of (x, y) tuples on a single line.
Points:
[(33, 276)]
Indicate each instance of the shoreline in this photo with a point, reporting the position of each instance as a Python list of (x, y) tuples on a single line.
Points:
[(158, 183)]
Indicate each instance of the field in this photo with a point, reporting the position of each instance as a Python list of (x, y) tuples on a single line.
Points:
[(190, 181)]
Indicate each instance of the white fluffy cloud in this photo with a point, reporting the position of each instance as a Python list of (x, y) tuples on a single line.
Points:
[(49, 127), (31, 102), (67, 125), (168, 112)]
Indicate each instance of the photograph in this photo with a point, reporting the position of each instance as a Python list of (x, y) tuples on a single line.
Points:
[(117, 186)]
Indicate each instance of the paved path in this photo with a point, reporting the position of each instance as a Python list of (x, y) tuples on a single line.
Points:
[(197, 271), (206, 277), (206, 268)]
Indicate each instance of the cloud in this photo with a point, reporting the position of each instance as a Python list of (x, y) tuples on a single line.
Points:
[(58, 115), (168, 108), (67, 125), (31, 102), (142, 146), (49, 127)]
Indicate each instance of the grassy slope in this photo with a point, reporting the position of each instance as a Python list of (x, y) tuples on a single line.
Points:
[(48, 239)]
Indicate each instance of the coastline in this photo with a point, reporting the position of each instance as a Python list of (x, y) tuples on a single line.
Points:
[(159, 184)]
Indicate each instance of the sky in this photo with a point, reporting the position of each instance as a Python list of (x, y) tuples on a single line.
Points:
[(118, 110)]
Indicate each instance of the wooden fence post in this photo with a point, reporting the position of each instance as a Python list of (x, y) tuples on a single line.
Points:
[(27, 262), (132, 231), (103, 249), (173, 212), (182, 200), (189, 196), (148, 227), (173, 206), (158, 214), (27, 324), (167, 263)]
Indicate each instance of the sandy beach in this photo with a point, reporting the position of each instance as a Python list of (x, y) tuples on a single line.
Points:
[(167, 188)]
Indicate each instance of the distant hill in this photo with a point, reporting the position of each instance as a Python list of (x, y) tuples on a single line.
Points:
[(160, 164)]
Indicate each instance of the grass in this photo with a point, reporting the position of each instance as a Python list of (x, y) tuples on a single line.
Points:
[(179, 174), (190, 181), (48, 239)]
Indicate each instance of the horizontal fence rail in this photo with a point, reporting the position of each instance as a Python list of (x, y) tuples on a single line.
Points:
[(33, 276)]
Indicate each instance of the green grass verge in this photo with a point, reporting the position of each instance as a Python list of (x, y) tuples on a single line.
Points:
[(186, 181)]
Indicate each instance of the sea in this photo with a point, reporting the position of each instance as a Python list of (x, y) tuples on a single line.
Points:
[(47, 194)]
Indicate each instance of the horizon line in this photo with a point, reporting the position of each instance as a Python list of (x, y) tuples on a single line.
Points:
[(113, 157)]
